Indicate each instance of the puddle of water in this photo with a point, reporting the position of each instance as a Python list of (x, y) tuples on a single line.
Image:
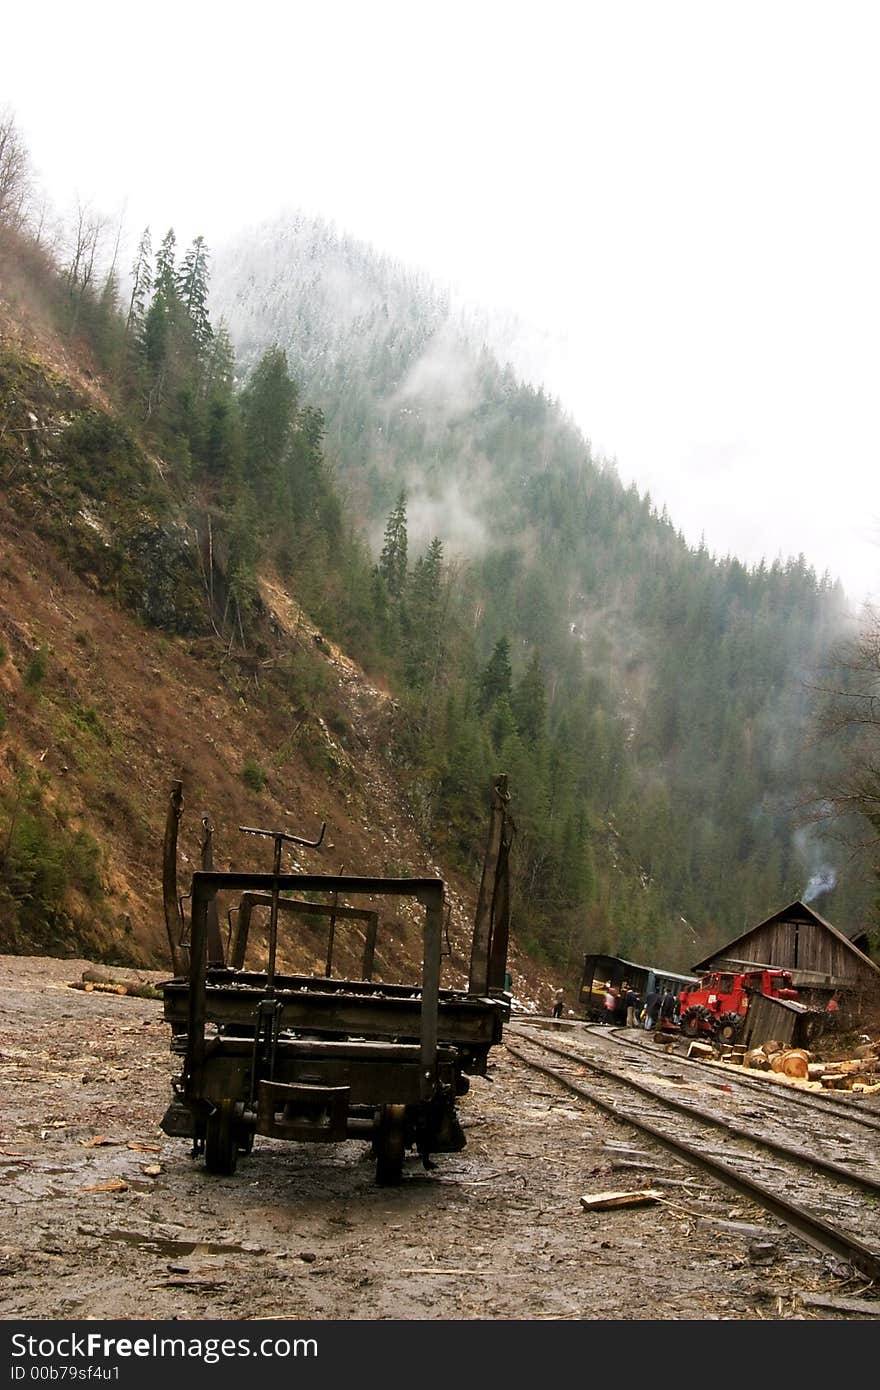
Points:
[(165, 1245)]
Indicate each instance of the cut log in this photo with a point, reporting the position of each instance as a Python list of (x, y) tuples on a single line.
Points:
[(757, 1060), (771, 1047), (776, 1060), (850, 1066), (816, 1069), (604, 1201), (796, 1063), (140, 991), (699, 1049)]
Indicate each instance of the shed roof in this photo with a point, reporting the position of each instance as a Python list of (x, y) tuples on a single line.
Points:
[(795, 909)]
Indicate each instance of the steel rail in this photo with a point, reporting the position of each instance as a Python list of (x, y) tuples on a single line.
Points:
[(811, 1161), (844, 1106), (813, 1229)]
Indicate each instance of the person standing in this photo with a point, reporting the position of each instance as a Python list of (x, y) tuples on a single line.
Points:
[(610, 1002), (652, 1008), (633, 1003), (667, 1007), (558, 999)]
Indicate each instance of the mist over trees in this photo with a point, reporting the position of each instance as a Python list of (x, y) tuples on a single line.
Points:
[(649, 700), (319, 414)]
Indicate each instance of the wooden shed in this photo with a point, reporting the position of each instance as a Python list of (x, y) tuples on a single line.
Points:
[(790, 1022), (821, 958)]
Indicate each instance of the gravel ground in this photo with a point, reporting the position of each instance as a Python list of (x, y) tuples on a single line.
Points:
[(301, 1231)]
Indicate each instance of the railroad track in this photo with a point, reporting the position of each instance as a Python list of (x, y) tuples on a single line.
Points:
[(823, 1183), (837, 1104)]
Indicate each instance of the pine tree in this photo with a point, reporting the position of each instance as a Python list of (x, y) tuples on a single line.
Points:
[(268, 405), (495, 679), (192, 290), (160, 323), (529, 702), (423, 639), (165, 279), (393, 561), (141, 283)]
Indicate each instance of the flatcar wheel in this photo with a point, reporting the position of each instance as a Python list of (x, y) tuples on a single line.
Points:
[(221, 1141), (389, 1145)]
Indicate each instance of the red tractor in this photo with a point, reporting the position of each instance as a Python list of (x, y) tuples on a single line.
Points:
[(716, 1006)]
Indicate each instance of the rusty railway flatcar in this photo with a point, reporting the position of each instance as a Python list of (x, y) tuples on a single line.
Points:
[(324, 1058)]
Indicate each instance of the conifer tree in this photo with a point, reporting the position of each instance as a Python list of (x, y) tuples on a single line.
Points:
[(160, 321), (192, 290), (141, 283), (393, 561), (422, 622), (529, 702), (165, 279), (268, 404), (495, 679)]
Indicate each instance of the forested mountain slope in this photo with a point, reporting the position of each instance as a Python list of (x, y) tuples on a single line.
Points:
[(650, 701), (150, 631)]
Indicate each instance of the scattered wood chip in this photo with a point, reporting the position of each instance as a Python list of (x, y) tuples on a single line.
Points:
[(98, 1142), (152, 1170), (114, 1185), (145, 1148), (603, 1201)]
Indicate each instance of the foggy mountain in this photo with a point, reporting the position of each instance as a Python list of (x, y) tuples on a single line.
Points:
[(678, 715)]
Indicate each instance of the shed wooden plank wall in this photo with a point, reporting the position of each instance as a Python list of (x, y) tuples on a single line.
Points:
[(803, 945)]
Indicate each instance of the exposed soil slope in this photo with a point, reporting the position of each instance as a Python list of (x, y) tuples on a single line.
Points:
[(125, 709)]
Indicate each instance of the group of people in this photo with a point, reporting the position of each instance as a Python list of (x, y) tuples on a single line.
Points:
[(626, 1006)]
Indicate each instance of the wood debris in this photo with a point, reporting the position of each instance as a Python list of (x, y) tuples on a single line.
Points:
[(604, 1201)]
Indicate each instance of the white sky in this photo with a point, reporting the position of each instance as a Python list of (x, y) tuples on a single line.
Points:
[(682, 198)]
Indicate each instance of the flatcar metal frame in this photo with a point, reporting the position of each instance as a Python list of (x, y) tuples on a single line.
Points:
[(303, 1057)]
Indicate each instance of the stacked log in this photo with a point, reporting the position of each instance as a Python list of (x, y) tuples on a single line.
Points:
[(98, 980), (788, 1061), (757, 1060), (796, 1062), (851, 1073)]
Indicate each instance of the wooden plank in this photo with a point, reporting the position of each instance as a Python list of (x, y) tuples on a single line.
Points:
[(604, 1201)]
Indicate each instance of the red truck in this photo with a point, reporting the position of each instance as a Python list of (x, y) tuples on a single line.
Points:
[(717, 1004)]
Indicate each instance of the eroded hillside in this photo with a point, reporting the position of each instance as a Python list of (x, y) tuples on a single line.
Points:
[(102, 710)]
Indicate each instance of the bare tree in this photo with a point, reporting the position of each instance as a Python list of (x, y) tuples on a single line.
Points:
[(15, 173), (87, 235)]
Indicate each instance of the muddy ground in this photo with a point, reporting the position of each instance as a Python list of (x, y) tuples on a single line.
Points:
[(301, 1231)]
